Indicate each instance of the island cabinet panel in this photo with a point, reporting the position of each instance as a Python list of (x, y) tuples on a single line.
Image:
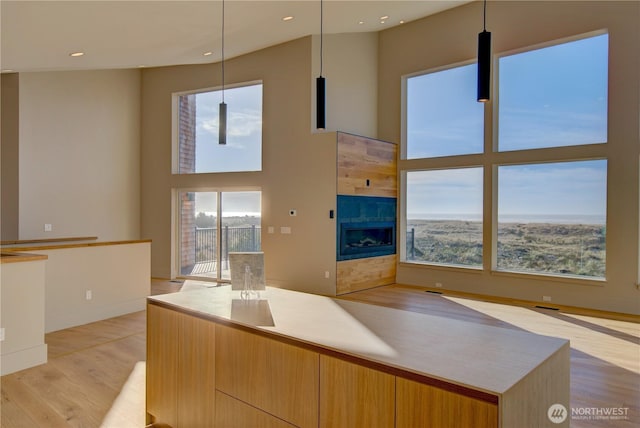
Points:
[(355, 396), (232, 413), (276, 377), (162, 363), (180, 368), (366, 167), (421, 405), (196, 372)]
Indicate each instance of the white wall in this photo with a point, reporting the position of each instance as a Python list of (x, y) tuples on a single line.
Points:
[(350, 68), (22, 295), (80, 154), (118, 276)]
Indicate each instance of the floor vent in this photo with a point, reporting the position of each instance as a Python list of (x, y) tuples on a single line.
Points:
[(547, 307)]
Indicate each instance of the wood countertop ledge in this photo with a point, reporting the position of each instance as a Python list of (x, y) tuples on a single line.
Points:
[(477, 360), (48, 240), (57, 245), (10, 257)]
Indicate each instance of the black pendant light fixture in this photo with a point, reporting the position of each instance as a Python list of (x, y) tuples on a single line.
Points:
[(321, 90), (484, 60), (222, 118)]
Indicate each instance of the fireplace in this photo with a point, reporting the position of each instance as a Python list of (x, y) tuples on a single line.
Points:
[(366, 227)]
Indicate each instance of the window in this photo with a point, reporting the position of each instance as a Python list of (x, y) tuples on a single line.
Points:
[(552, 218), (441, 118), (198, 148), (554, 96), (444, 216), (211, 224), (549, 205)]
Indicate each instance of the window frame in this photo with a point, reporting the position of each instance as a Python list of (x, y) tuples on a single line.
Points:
[(491, 158), (175, 120)]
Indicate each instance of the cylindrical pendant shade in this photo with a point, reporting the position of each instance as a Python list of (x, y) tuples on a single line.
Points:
[(321, 106), (484, 66), (222, 124)]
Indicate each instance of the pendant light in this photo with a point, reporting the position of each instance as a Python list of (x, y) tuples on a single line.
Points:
[(321, 94), (222, 118), (484, 60)]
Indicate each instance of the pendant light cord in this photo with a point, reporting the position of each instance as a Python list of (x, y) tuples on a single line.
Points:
[(321, 34), (223, 51), (484, 16)]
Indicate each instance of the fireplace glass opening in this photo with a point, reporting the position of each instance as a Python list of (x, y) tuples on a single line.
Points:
[(366, 240)]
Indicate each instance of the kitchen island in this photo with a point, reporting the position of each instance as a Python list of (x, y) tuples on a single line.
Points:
[(296, 359)]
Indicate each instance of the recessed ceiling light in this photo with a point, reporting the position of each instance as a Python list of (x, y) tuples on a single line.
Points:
[(287, 18), (382, 22), (360, 22), (382, 18), (207, 53), (402, 21), (76, 54)]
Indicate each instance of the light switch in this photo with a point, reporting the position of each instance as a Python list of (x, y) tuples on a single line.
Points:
[(285, 230)]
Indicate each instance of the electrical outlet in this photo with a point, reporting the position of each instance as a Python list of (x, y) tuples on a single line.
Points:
[(48, 227), (438, 285), (88, 295), (327, 274), (546, 298)]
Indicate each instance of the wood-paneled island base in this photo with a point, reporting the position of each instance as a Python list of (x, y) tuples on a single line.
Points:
[(296, 359)]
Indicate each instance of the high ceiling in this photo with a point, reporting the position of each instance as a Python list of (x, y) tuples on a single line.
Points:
[(41, 35)]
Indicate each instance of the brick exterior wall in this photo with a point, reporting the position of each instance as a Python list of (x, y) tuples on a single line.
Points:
[(187, 162)]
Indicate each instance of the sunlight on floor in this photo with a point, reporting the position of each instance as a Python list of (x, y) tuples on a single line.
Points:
[(128, 408), (616, 351)]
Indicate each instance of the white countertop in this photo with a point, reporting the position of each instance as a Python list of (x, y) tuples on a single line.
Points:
[(485, 358)]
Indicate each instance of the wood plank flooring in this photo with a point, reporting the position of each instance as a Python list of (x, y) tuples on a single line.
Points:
[(95, 373)]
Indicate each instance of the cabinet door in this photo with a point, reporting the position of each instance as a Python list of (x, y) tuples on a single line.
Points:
[(196, 372), (276, 377), (232, 413), (355, 396), (420, 405), (162, 363)]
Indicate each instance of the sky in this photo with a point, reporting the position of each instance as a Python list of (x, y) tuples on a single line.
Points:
[(549, 97), (233, 203)]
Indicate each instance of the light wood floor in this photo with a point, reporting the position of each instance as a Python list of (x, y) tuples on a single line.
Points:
[(95, 373)]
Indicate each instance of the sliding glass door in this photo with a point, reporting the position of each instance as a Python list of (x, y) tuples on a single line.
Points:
[(212, 224)]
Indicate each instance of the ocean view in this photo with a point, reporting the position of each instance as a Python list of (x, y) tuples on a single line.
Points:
[(515, 218)]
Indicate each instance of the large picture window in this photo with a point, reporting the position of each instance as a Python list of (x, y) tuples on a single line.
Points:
[(197, 131), (555, 96), (441, 118), (547, 202), (444, 216), (552, 218)]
